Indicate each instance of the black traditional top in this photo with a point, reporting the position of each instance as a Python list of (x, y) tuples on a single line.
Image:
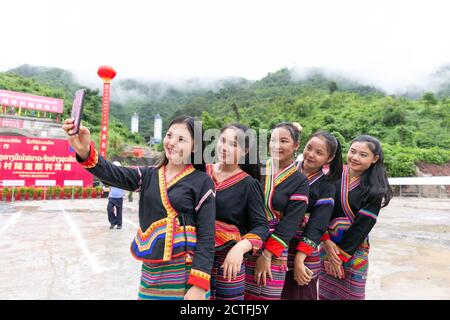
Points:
[(318, 214), (286, 200), (352, 218), (239, 210), (175, 217)]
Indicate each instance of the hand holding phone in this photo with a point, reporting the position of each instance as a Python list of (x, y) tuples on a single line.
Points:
[(77, 111)]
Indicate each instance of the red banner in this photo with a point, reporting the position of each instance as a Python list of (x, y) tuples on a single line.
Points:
[(11, 123), (29, 101), (105, 112), (40, 162)]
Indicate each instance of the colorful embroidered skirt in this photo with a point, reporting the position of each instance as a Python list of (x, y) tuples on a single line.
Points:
[(273, 288), (221, 289), (165, 280), (353, 286)]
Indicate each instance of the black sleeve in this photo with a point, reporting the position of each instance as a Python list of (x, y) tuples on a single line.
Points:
[(259, 226), (319, 217), (120, 177), (205, 225), (364, 221), (291, 217)]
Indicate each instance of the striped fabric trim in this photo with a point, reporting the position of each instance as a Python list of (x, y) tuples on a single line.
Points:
[(144, 243), (92, 160), (200, 279), (230, 181), (299, 197), (309, 242), (344, 256), (324, 201), (354, 183), (271, 182), (368, 214), (268, 191), (255, 240), (279, 240), (171, 214), (312, 177), (275, 245), (225, 232), (209, 168), (185, 172), (286, 173), (344, 194), (200, 274), (338, 227), (203, 199), (305, 248)]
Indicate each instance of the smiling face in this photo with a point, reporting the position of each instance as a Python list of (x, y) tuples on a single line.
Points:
[(229, 149), (316, 154), (178, 144), (360, 157), (282, 145)]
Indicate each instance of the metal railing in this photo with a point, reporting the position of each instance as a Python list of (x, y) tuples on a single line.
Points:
[(420, 181)]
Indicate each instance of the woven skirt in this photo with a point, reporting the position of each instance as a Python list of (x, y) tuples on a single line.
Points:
[(273, 288), (221, 288), (353, 286), (165, 280)]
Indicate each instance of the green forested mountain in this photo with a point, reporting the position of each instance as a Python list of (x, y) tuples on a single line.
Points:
[(50, 77), (411, 129)]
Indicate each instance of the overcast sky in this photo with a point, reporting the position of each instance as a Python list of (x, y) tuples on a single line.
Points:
[(393, 43)]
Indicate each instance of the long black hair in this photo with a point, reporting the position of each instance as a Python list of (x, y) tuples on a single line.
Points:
[(334, 149), (374, 181), (195, 131), (294, 129), (251, 147)]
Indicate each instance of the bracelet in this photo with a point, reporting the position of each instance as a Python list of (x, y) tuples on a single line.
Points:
[(266, 257)]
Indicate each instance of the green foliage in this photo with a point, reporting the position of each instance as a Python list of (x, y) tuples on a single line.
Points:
[(332, 87), (400, 161), (31, 191), (411, 129), (393, 116), (410, 125), (430, 98)]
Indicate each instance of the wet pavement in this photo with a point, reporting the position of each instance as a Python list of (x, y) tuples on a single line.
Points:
[(65, 250)]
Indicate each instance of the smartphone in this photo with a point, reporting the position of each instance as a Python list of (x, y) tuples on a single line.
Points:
[(77, 110)]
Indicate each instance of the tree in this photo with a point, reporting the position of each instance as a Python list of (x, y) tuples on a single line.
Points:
[(236, 112), (332, 86), (430, 98)]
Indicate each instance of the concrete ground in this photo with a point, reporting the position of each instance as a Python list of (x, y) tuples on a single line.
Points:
[(65, 250)]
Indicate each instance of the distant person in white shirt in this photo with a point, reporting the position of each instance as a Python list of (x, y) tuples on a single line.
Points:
[(115, 201)]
